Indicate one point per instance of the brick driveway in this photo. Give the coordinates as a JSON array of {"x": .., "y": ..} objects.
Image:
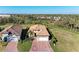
[
  {"x": 11, "y": 47},
  {"x": 37, "y": 46},
  {"x": 41, "y": 46}
]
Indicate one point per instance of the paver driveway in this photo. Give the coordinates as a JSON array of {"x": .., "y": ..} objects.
[
  {"x": 41, "y": 46},
  {"x": 11, "y": 47}
]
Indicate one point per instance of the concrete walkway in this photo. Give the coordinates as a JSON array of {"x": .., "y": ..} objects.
[
  {"x": 41, "y": 46},
  {"x": 11, "y": 47}
]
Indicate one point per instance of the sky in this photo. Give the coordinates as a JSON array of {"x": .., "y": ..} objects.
[{"x": 39, "y": 9}]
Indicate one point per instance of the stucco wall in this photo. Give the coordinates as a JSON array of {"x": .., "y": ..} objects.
[
  {"x": 42, "y": 38},
  {"x": 15, "y": 38}
]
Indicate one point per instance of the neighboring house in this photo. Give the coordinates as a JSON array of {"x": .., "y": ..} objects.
[
  {"x": 39, "y": 32},
  {"x": 14, "y": 29}
]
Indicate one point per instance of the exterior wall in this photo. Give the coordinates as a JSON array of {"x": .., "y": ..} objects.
[
  {"x": 3, "y": 35},
  {"x": 42, "y": 38},
  {"x": 15, "y": 38}
]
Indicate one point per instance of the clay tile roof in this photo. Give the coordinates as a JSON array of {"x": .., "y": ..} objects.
[
  {"x": 39, "y": 30},
  {"x": 15, "y": 29}
]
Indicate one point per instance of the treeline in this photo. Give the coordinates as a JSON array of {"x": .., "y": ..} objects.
[
  {"x": 68, "y": 21},
  {"x": 13, "y": 19},
  {"x": 63, "y": 20}
]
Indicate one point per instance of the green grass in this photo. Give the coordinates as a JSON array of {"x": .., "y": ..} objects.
[
  {"x": 67, "y": 40},
  {"x": 6, "y": 25},
  {"x": 24, "y": 46},
  {"x": 2, "y": 45}
]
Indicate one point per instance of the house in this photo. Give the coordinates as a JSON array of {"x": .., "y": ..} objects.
[
  {"x": 39, "y": 32},
  {"x": 14, "y": 29}
]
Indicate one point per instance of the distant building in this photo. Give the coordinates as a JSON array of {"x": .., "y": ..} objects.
[
  {"x": 57, "y": 18},
  {"x": 44, "y": 17},
  {"x": 39, "y": 32},
  {"x": 2, "y": 16}
]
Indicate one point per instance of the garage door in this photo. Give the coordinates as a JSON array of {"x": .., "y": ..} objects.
[{"x": 41, "y": 38}]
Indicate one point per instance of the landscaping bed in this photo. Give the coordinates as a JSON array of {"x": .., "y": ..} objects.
[{"x": 24, "y": 46}]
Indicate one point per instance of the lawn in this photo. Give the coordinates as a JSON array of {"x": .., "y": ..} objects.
[
  {"x": 24, "y": 46},
  {"x": 67, "y": 40},
  {"x": 2, "y": 45},
  {"x": 6, "y": 25}
]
